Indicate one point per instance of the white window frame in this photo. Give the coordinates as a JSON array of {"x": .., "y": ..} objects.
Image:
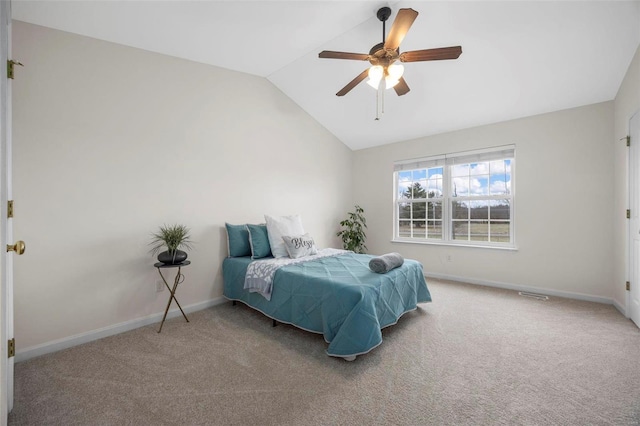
[{"x": 447, "y": 161}]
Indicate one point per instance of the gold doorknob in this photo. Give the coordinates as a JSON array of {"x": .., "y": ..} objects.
[{"x": 18, "y": 247}]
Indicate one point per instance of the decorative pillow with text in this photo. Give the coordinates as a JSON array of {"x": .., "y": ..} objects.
[{"x": 299, "y": 245}]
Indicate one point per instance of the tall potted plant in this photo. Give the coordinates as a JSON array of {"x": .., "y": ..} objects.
[
  {"x": 353, "y": 235},
  {"x": 173, "y": 237}
]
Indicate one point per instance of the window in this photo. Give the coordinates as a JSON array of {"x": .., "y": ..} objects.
[{"x": 464, "y": 198}]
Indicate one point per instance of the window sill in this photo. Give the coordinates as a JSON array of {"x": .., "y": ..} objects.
[{"x": 452, "y": 244}]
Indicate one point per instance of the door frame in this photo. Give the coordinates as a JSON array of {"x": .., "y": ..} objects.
[
  {"x": 6, "y": 269},
  {"x": 632, "y": 186}
]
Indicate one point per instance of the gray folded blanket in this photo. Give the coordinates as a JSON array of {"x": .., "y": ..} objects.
[{"x": 386, "y": 262}]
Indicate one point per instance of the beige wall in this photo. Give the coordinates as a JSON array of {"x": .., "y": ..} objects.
[
  {"x": 110, "y": 142},
  {"x": 627, "y": 103},
  {"x": 563, "y": 215}
]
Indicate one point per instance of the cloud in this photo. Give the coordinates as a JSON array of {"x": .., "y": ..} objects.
[
  {"x": 499, "y": 167},
  {"x": 474, "y": 179},
  {"x": 498, "y": 187}
]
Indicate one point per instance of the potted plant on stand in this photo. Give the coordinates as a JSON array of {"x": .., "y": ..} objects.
[
  {"x": 353, "y": 235},
  {"x": 173, "y": 237}
]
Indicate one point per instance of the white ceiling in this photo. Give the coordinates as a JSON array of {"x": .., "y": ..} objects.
[{"x": 519, "y": 58}]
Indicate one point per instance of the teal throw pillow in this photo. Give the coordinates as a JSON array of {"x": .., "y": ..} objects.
[
  {"x": 238, "y": 240},
  {"x": 259, "y": 241}
]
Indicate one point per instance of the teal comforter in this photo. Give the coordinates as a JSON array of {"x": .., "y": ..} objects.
[{"x": 338, "y": 296}]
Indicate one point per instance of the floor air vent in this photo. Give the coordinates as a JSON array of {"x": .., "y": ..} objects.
[{"x": 533, "y": 295}]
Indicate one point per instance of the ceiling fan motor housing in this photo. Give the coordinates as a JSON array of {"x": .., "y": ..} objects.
[
  {"x": 384, "y": 13},
  {"x": 378, "y": 55}
]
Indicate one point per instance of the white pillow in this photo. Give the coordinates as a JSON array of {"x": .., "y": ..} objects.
[
  {"x": 299, "y": 245},
  {"x": 279, "y": 226}
]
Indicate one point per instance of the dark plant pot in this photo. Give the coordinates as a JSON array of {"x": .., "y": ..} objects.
[{"x": 172, "y": 258}]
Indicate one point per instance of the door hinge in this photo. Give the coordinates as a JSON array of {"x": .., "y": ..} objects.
[
  {"x": 628, "y": 214},
  {"x": 11, "y": 347},
  {"x": 10, "y": 208},
  {"x": 10, "y": 67},
  {"x": 628, "y": 286}
]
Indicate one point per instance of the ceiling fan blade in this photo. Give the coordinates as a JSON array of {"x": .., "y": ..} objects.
[
  {"x": 343, "y": 55},
  {"x": 399, "y": 29},
  {"x": 401, "y": 88},
  {"x": 353, "y": 83},
  {"x": 431, "y": 54}
]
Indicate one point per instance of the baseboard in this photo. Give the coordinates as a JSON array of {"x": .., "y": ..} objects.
[
  {"x": 78, "y": 339},
  {"x": 619, "y": 307},
  {"x": 509, "y": 286}
]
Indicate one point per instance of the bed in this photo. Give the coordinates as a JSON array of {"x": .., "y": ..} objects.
[{"x": 337, "y": 295}]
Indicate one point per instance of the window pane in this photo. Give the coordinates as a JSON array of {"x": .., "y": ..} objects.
[
  {"x": 402, "y": 190},
  {"x": 500, "y": 181},
  {"x": 459, "y": 210},
  {"x": 434, "y": 210},
  {"x": 460, "y": 170},
  {"x": 421, "y": 190},
  {"x": 460, "y": 187},
  {"x": 479, "y": 209},
  {"x": 434, "y": 185},
  {"x": 500, "y": 209},
  {"x": 480, "y": 186},
  {"x": 404, "y": 229},
  {"x": 460, "y": 230},
  {"x": 406, "y": 191},
  {"x": 419, "y": 229},
  {"x": 498, "y": 186},
  {"x": 479, "y": 169},
  {"x": 404, "y": 211},
  {"x": 479, "y": 231},
  {"x": 404, "y": 182},
  {"x": 500, "y": 232},
  {"x": 435, "y": 172},
  {"x": 404, "y": 176},
  {"x": 419, "y": 174},
  {"x": 419, "y": 210},
  {"x": 434, "y": 229},
  {"x": 434, "y": 188},
  {"x": 502, "y": 167},
  {"x": 418, "y": 191}
]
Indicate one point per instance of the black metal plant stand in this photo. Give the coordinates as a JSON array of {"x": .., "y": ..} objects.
[{"x": 178, "y": 279}]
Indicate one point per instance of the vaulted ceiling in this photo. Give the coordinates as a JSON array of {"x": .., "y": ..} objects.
[{"x": 519, "y": 58}]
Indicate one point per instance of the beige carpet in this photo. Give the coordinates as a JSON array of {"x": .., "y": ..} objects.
[{"x": 475, "y": 356}]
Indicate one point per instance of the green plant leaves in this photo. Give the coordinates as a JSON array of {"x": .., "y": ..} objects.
[
  {"x": 353, "y": 236},
  {"x": 173, "y": 237}
]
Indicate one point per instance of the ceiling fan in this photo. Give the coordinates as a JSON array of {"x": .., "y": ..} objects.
[{"x": 385, "y": 72}]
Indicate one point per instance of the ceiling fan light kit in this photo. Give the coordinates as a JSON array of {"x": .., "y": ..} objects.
[
  {"x": 391, "y": 75},
  {"x": 386, "y": 71}
]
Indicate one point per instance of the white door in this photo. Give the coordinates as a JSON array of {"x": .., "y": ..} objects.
[
  {"x": 634, "y": 226},
  {"x": 6, "y": 259}
]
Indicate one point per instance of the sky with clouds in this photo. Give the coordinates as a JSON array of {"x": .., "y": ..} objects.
[{"x": 476, "y": 179}]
